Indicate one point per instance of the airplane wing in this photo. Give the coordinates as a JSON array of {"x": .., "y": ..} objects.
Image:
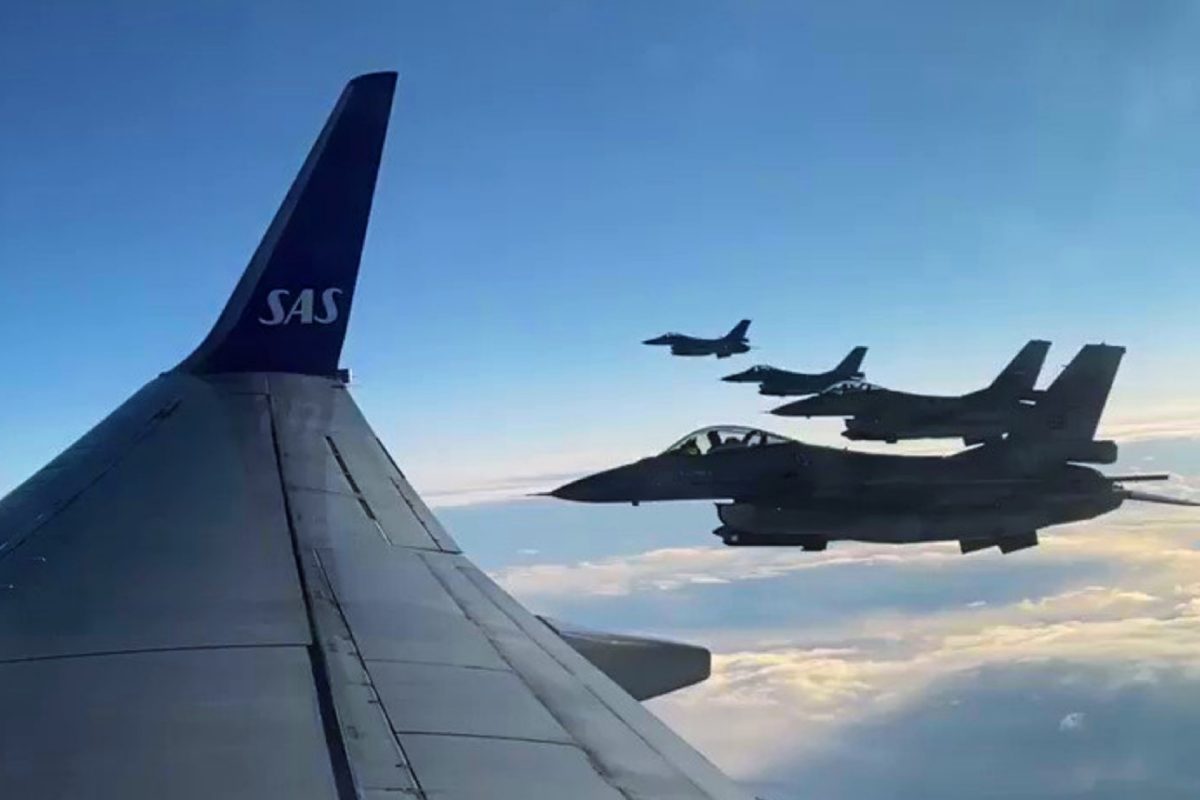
[
  {"x": 1162, "y": 499},
  {"x": 228, "y": 589}
]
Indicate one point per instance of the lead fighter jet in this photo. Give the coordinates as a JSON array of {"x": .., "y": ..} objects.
[
  {"x": 785, "y": 492},
  {"x": 879, "y": 414},
  {"x": 228, "y": 589},
  {"x": 781, "y": 383},
  {"x": 730, "y": 344}
]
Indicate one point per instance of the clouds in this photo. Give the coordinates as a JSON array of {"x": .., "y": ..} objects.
[
  {"x": 869, "y": 659},
  {"x": 669, "y": 569},
  {"x": 1072, "y": 722},
  {"x": 880, "y": 671},
  {"x": 1181, "y": 421},
  {"x": 997, "y": 733},
  {"x": 804, "y": 700},
  {"x": 814, "y": 694}
]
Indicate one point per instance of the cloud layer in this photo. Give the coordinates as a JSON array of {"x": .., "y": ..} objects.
[{"x": 905, "y": 650}]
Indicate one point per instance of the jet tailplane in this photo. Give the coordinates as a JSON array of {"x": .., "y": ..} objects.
[
  {"x": 852, "y": 363},
  {"x": 1019, "y": 377},
  {"x": 738, "y": 333}
]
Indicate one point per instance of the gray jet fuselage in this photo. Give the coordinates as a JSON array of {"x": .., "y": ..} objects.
[
  {"x": 690, "y": 346},
  {"x": 725, "y": 346},
  {"x": 775, "y": 382},
  {"x": 791, "y": 473},
  {"x": 1018, "y": 514},
  {"x": 784, "y": 492},
  {"x": 878, "y": 414}
]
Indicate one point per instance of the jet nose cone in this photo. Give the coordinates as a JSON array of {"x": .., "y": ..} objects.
[
  {"x": 617, "y": 485},
  {"x": 591, "y": 489},
  {"x": 794, "y": 409},
  {"x": 575, "y": 490}
]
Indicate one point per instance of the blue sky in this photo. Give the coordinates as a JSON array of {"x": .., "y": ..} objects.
[
  {"x": 941, "y": 182},
  {"x": 565, "y": 179}
]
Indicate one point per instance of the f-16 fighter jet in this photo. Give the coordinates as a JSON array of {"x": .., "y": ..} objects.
[
  {"x": 785, "y": 492},
  {"x": 880, "y": 414},
  {"x": 781, "y": 383},
  {"x": 730, "y": 344}
]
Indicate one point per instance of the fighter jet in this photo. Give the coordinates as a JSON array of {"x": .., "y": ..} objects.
[
  {"x": 879, "y": 414},
  {"x": 228, "y": 589},
  {"x": 785, "y": 492},
  {"x": 781, "y": 383},
  {"x": 730, "y": 344}
]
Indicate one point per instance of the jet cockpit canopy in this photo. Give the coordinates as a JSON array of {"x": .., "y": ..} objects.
[
  {"x": 724, "y": 437},
  {"x": 851, "y": 387}
]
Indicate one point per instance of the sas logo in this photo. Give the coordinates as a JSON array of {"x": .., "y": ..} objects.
[{"x": 302, "y": 307}]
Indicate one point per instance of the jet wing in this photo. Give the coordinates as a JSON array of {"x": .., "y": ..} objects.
[
  {"x": 1162, "y": 499},
  {"x": 227, "y": 589}
]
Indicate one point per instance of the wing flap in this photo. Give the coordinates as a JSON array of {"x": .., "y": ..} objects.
[
  {"x": 463, "y": 701},
  {"x": 397, "y": 610},
  {"x": 469, "y": 768}
]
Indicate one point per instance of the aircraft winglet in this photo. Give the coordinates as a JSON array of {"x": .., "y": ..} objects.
[{"x": 290, "y": 308}]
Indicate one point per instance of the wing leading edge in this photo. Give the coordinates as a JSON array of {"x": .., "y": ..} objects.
[{"x": 229, "y": 589}]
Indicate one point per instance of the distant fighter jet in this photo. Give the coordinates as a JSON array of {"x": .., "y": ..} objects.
[
  {"x": 880, "y": 414},
  {"x": 731, "y": 343},
  {"x": 781, "y": 383},
  {"x": 786, "y": 492}
]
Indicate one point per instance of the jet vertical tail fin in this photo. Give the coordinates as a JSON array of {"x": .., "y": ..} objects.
[
  {"x": 852, "y": 363},
  {"x": 290, "y": 308},
  {"x": 1071, "y": 406},
  {"x": 1022, "y": 372},
  {"x": 739, "y": 331}
]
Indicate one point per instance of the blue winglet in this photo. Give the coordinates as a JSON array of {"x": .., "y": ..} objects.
[{"x": 290, "y": 308}]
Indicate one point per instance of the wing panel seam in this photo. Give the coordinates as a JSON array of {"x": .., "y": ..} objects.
[
  {"x": 591, "y": 759},
  {"x": 339, "y": 758},
  {"x": 387, "y": 719},
  {"x": 470, "y": 575},
  {"x": 134, "y": 651},
  {"x": 358, "y": 494}
]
